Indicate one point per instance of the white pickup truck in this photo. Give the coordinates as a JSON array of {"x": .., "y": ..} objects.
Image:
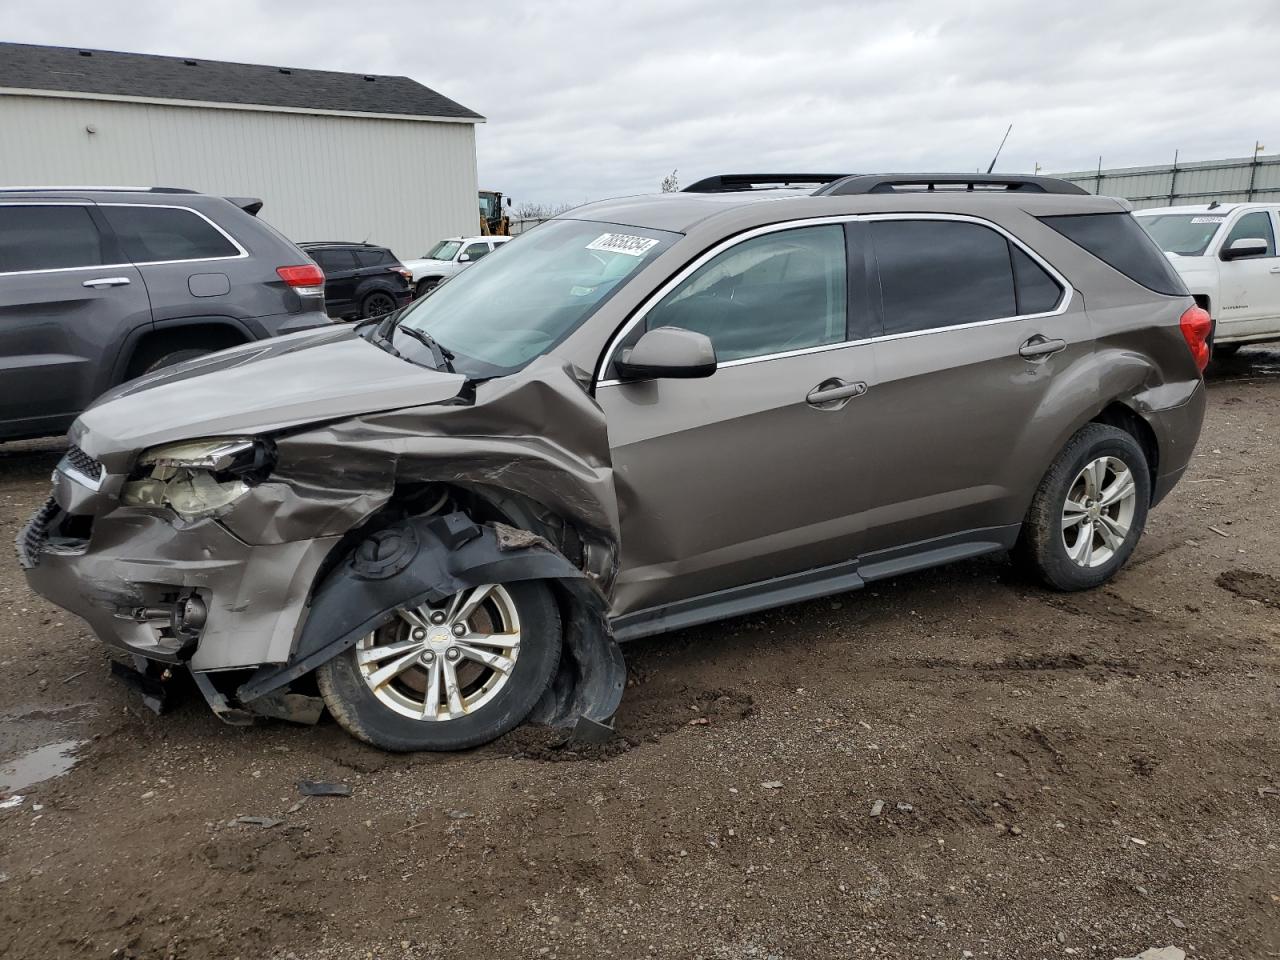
[
  {"x": 1226, "y": 255},
  {"x": 448, "y": 257}
]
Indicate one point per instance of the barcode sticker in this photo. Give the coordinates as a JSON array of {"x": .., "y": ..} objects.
[
  {"x": 1208, "y": 219},
  {"x": 622, "y": 243}
]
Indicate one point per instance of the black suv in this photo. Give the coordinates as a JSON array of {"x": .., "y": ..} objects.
[
  {"x": 360, "y": 279},
  {"x": 100, "y": 285}
]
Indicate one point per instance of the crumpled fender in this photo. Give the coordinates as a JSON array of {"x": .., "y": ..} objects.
[{"x": 427, "y": 559}]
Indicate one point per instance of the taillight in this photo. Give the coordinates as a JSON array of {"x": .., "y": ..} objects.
[
  {"x": 305, "y": 279},
  {"x": 1196, "y": 326}
]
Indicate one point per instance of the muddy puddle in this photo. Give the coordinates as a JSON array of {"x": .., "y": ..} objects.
[{"x": 38, "y": 744}]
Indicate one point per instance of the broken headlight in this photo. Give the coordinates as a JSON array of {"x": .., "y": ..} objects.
[{"x": 196, "y": 478}]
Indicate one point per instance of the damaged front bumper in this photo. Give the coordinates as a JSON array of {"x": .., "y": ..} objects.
[{"x": 197, "y": 595}]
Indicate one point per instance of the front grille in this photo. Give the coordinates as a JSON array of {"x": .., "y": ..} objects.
[
  {"x": 35, "y": 534},
  {"x": 82, "y": 463}
]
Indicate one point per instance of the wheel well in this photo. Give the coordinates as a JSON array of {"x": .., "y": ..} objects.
[
  {"x": 481, "y": 504},
  {"x": 153, "y": 346},
  {"x": 1202, "y": 301},
  {"x": 1116, "y": 414}
]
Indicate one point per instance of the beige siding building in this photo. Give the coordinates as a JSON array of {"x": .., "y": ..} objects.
[{"x": 333, "y": 156}]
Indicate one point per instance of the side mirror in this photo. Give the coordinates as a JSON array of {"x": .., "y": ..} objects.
[
  {"x": 464, "y": 258},
  {"x": 1245, "y": 247},
  {"x": 668, "y": 353}
]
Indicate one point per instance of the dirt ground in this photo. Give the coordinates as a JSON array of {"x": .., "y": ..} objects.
[{"x": 1083, "y": 775}]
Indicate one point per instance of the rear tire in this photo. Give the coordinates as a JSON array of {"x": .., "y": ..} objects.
[
  {"x": 377, "y": 304},
  {"x": 1088, "y": 512},
  {"x": 392, "y": 713}
]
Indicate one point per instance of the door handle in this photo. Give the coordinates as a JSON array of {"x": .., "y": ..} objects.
[
  {"x": 106, "y": 282},
  {"x": 1039, "y": 346},
  {"x": 834, "y": 393},
  {"x": 1275, "y": 269}
]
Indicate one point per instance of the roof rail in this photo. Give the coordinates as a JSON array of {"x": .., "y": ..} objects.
[
  {"x": 96, "y": 189},
  {"x": 970, "y": 182},
  {"x": 337, "y": 243},
  {"x": 732, "y": 182}
]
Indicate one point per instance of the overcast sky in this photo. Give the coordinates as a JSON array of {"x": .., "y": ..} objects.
[{"x": 594, "y": 99}]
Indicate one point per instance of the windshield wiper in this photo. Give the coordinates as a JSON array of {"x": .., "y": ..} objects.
[{"x": 443, "y": 357}]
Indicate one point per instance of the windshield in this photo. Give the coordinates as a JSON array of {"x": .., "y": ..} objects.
[
  {"x": 503, "y": 312},
  {"x": 444, "y": 250},
  {"x": 1186, "y": 234}
]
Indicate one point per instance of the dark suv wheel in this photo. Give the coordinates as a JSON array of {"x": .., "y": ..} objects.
[
  {"x": 451, "y": 675},
  {"x": 377, "y": 304},
  {"x": 1089, "y": 510}
]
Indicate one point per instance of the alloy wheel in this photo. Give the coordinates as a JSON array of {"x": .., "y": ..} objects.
[
  {"x": 378, "y": 304},
  {"x": 1098, "y": 513},
  {"x": 446, "y": 661}
]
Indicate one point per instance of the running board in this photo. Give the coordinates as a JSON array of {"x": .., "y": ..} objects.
[
  {"x": 811, "y": 584},
  {"x": 736, "y": 601}
]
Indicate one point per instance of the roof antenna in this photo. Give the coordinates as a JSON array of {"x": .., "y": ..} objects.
[{"x": 998, "y": 149}]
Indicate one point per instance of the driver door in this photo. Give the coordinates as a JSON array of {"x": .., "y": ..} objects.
[
  {"x": 1250, "y": 286},
  {"x": 745, "y": 475}
]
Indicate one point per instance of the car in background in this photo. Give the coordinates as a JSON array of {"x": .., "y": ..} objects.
[
  {"x": 449, "y": 257},
  {"x": 360, "y": 279},
  {"x": 101, "y": 284},
  {"x": 1226, "y": 255}
]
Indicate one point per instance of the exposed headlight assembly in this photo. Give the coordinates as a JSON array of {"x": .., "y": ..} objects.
[{"x": 196, "y": 478}]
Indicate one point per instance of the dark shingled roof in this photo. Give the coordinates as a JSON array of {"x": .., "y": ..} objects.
[{"x": 78, "y": 70}]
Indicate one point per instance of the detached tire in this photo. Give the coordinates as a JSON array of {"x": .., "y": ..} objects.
[
  {"x": 451, "y": 676},
  {"x": 1088, "y": 512}
]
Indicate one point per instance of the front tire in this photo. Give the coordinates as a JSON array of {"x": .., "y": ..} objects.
[
  {"x": 1088, "y": 512},
  {"x": 426, "y": 286},
  {"x": 448, "y": 676}
]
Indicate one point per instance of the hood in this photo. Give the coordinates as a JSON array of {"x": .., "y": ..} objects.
[{"x": 308, "y": 377}]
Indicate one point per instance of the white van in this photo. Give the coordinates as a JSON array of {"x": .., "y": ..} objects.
[{"x": 1226, "y": 255}]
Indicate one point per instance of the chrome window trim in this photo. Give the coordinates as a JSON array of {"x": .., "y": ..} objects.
[
  {"x": 242, "y": 253},
  {"x": 1064, "y": 301}
]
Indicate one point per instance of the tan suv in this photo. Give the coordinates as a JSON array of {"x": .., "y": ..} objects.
[{"x": 645, "y": 414}]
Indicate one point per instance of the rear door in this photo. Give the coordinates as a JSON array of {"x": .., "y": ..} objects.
[
  {"x": 340, "y": 280},
  {"x": 184, "y": 257},
  {"x": 67, "y": 303},
  {"x": 741, "y": 477},
  {"x": 977, "y": 331},
  {"x": 1249, "y": 287}
]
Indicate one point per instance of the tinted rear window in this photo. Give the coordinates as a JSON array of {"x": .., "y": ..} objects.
[
  {"x": 940, "y": 273},
  {"x": 47, "y": 238},
  {"x": 158, "y": 234},
  {"x": 333, "y": 261},
  {"x": 374, "y": 258},
  {"x": 1118, "y": 241},
  {"x": 1037, "y": 291}
]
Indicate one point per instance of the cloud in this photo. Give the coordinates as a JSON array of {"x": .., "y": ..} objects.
[{"x": 588, "y": 100}]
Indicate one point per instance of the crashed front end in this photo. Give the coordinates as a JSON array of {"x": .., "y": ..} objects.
[{"x": 221, "y": 545}]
